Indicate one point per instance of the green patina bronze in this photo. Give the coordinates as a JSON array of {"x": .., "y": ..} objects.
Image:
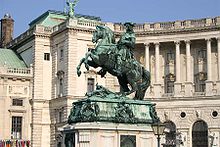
[
  {"x": 71, "y": 5},
  {"x": 118, "y": 60},
  {"x": 107, "y": 106}
]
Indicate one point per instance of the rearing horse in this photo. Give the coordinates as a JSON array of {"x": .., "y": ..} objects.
[{"x": 105, "y": 56}]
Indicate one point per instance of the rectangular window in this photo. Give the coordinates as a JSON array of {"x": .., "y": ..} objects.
[
  {"x": 61, "y": 87},
  {"x": 17, "y": 102},
  {"x": 60, "y": 116},
  {"x": 90, "y": 85},
  {"x": 202, "y": 55},
  {"x": 47, "y": 56},
  {"x": 170, "y": 57},
  {"x": 170, "y": 87},
  {"x": 16, "y": 127},
  {"x": 61, "y": 54},
  {"x": 200, "y": 79}
]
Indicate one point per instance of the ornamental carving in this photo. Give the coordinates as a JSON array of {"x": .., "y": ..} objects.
[
  {"x": 84, "y": 111},
  {"x": 17, "y": 90},
  {"x": 123, "y": 113},
  {"x": 153, "y": 114},
  {"x": 202, "y": 76},
  {"x": 201, "y": 60},
  {"x": 60, "y": 74},
  {"x": 170, "y": 77}
]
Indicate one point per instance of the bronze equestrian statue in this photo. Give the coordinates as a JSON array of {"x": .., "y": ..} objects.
[{"x": 118, "y": 60}]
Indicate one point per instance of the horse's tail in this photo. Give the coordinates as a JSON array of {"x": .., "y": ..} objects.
[{"x": 146, "y": 80}]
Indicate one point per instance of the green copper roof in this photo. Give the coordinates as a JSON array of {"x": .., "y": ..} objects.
[
  {"x": 10, "y": 59},
  {"x": 52, "y": 18}
]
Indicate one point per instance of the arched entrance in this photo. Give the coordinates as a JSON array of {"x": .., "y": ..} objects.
[
  {"x": 170, "y": 136},
  {"x": 200, "y": 134}
]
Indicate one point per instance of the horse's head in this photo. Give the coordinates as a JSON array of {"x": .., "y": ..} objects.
[
  {"x": 98, "y": 34},
  {"x": 103, "y": 32}
]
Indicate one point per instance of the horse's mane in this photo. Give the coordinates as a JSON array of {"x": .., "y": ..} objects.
[{"x": 109, "y": 34}]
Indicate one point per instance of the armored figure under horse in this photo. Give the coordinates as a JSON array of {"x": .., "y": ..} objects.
[{"x": 107, "y": 56}]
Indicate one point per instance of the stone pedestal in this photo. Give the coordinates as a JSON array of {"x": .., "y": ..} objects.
[
  {"x": 218, "y": 87},
  {"x": 189, "y": 89},
  {"x": 177, "y": 89},
  {"x": 208, "y": 88},
  {"x": 107, "y": 119},
  {"x": 102, "y": 134},
  {"x": 157, "y": 90}
]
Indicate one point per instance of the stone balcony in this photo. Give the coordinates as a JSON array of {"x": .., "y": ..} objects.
[
  {"x": 16, "y": 72},
  {"x": 174, "y": 25}
]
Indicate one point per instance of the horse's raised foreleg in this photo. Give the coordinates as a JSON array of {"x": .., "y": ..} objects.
[
  {"x": 85, "y": 61},
  {"x": 79, "y": 66}
]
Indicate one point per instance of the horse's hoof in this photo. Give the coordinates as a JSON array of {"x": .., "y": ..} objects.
[{"x": 79, "y": 73}]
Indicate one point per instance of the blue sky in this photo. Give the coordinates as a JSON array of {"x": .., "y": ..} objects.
[{"x": 24, "y": 11}]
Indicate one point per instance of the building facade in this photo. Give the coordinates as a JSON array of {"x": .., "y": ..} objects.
[{"x": 182, "y": 56}]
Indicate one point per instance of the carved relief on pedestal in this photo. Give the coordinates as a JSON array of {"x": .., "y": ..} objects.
[{"x": 18, "y": 90}]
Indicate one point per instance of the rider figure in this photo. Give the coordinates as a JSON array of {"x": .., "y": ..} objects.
[{"x": 125, "y": 46}]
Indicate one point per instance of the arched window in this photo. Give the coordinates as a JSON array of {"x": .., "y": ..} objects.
[
  {"x": 170, "y": 135},
  {"x": 200, "y": 134}
]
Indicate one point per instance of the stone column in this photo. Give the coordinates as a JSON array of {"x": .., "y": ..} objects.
[
  {"x": 209, "y": 82},
  {"x": 157, "y": 85},
  {"x": 147, "y": 65},
  {"x": 209, "y": 58},
  {"x": 218, "y": 46},
  {"x": 177, "y": 61},
  {"x": 177, "y": 84},
  {"x": 188, "y": 83},
  {"x": 218, "y": 56},
  {"x": 157, "y": 62}
]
